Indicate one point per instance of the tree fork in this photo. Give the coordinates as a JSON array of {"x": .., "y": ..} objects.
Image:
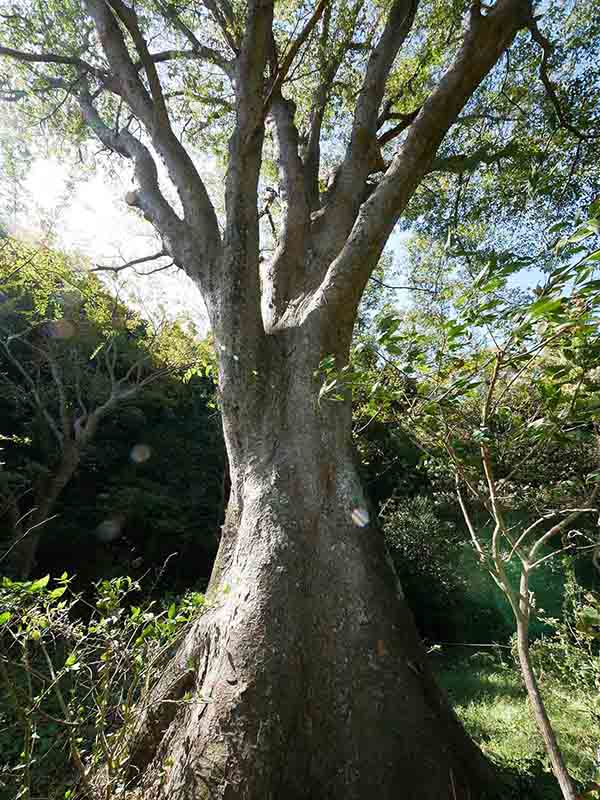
[{"x": 306, "y": 677}]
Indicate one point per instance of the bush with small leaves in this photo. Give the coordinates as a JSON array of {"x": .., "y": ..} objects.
[{"x": 75, "y": 674}]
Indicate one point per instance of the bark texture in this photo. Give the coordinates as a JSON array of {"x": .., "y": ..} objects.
[{"x": 306, "y": 674}]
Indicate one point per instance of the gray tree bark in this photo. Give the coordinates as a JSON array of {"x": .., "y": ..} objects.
[{"x": 307, "y": 677}]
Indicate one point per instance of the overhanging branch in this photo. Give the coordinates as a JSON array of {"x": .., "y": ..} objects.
[{"x": 136, "y": 262}]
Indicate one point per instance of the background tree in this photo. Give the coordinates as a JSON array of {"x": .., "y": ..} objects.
[
  {"x": 307, "y": 669},
  {"x": 491, "y": 393},
  {"x": 70, "y": 356}
]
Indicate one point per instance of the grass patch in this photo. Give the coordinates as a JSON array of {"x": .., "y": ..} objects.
[{"x": 488, "y": 696}]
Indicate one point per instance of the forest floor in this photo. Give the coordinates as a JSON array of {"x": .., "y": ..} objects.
[{"x": 486, "y": 690}]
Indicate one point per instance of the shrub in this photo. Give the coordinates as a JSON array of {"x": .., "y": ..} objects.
[
  {"x": 74, "y": 674},
  {"x": 426, "y": 551}
]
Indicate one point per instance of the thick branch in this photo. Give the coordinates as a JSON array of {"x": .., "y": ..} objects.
[
  {"x": 130, "y": 86},
  {"x": 486, "y": 38},
  {"x": 296, "y": 215},
  {"x": 129, "y": 20},
  {"x": 148, "y": 197},
  {"x": 282, "y": 274},
  {"x": 363, "y": 154},
  {"x": 240, "y": 287},
  {"x": 398, "y": 25},
  {"x": 151, "y": 110}
]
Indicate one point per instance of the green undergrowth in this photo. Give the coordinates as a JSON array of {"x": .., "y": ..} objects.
[{"x": 488, "y": 696}]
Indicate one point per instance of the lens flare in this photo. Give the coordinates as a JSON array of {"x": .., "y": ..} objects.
[
  {"x": 109, "y": 529},
  {"x": 140, "y": 453},
  {"x": 360, "y": 517}
]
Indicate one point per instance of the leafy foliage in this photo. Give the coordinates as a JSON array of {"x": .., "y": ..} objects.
[
  {"x": 68, "y": 348},
  {"x": 75, "y": 673}
]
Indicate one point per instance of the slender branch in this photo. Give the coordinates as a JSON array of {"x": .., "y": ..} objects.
[
  {"x": 224, "y": 16},
  {"x": 329, "y": 65},
  {"x": 407, "y": 288},
  {"x": 560, "y": 526},
  {"x": 128, "y": 264},
  {"x": 54, "y": 58},
  {"x": 405, "y": 121},
  {"x": 34, "y": 392},
  {"x": 539, "y": 38},
  {"x": 469, "y": 523},
  {"x": 284, "y": 68},
  {"x": 469, "y": 163}
]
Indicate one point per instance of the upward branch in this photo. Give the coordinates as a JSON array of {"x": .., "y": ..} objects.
[
  {"x": 239, "y": 281},
  {"x": 486, "y": 38},
  {"x": 199, "y": 213},
  {"x": 363, "y": 154}
]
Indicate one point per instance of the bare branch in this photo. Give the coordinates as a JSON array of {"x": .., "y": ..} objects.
[
  {"x": 241, "y": 188},
  {"x": 148, "y": 197},
  {"x": 54, "y": 58},
  {"x": 284, "y": 68},
  {"x": 563, "y": 524},
  {"x": 295, "y": 237},
  {"x": 130, "y": 21},
  {"x": 135, "y": 262},
  {"x": 396, "y": 130},
  {"x": 199, "y": 52},
  {"x": 407, "y": 288},
  {"x": 546, "y": 47}
]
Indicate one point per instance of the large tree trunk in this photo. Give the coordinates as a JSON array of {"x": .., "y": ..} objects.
[{"x": 308, "y": 679}]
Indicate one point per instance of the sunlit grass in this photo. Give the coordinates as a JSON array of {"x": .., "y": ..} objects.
[{"x": 488, "y": 696}]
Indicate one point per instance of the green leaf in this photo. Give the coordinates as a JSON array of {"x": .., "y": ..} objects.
[
  {"x": 96, "y": 351},
  {"x": 545, "y": 306},
  {"x": 38, "y": 585},
  {"x": 4, "y": 617},
  {"x": 595, "y": 256},
  {"x": 172, "y": 611},
  {"x": 71, "y": 659}
]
